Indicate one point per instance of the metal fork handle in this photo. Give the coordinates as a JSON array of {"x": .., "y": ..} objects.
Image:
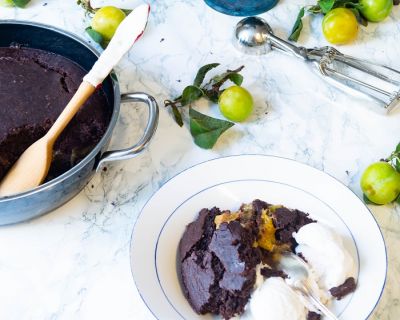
[{"x": 317, "y": 303}]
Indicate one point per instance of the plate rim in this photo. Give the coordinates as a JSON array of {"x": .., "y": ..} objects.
[{"x": 251, "y": 155}]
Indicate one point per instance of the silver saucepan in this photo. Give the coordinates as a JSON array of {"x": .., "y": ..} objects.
[{"x": 52, "y": 194}]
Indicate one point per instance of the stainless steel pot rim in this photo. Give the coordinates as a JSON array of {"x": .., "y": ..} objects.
[{"x": 108, "y": 133}]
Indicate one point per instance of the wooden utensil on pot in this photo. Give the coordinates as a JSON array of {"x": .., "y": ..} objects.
[{"x": 32, "y": 167}]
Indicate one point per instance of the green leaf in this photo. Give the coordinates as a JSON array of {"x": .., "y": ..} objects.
[
  {"x": 97, "y": 37},
  {"x": 236, "y": 78},
  {"x": 298, "y": 26},
  {"x": 21, "y": 3},
  {"x": 326, "y": 5},
  {"x": 397, "y": 200},
  {"x": 206, "y": 130},
  {"x": 232, "y": 75},
  {"x": 347, "y": 4},
  {"x": 190, "y": 94},
  {"x": 397, "y": 148},
  {"x": 126, "y": 11},
  {"x": 177, "y": 115},
  {"x": 201, "y": 74},
  {"x": 396, "y": 164},
  {"x": 360, "y": 18}
]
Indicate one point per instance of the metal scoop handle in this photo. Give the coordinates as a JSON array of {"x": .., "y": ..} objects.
[{"x": 287, "y": 47}]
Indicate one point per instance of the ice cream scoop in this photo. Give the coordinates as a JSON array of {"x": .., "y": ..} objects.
[
  {"x": 326, "y": 254},
  {"x": 358, "y": 77},
  {"x": 274, "y": 299}
]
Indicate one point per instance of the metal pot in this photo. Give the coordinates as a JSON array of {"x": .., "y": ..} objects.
[{"x": 47, "y": 197}]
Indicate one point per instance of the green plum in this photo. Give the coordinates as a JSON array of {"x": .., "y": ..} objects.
[
  {"x": 380, "y": 183},
  {"x": 106, "y": 21},
  {"x": 236, "y": 103},
  {"x": 376, "y": 10},
  {"x": 6, "y": 3},
  {"x": 340, "y": 26}
]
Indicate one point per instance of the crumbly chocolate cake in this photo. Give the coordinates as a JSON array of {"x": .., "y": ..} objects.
[
  {"x": 267, "y": 272},
  {"x": 313, "y": 316},
  {"x": 344, "y": 289},
  {"x": 219, "y": 252},
  {"x": 35, "y": 86},
  {"x": 217, "y": 265}
]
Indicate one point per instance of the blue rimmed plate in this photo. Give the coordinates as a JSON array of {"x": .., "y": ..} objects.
[{"x": 229, "y": 182}]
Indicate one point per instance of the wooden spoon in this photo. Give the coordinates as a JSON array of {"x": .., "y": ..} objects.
[{"x": 32, "y": 167}]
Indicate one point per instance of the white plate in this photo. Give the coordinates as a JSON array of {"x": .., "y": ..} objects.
[{"x": 227, "y": 183}]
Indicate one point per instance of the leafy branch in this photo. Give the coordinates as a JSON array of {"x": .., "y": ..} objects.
[
  {"x": 85, "y": 4},
  {"x": 394, "y": 161},
  {"x": 394, "y": 158},
  {"x": 211, "y": 90},
  {"x": 204, "y": 129},
  {"x": 323, "y": 7}
]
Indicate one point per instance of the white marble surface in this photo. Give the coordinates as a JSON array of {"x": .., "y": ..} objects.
[{"x": 74, "y": 262}]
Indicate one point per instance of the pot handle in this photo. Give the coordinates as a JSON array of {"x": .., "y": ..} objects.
[{"x": 148, "y": 134}]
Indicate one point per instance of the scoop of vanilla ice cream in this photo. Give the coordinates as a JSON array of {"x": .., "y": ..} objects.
[
  {"x": 330, "y": 262},
  {"x": 274, "y": 299}
]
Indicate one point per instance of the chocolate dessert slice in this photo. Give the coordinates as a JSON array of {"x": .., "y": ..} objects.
[
  {"x": 219, "y": 252},
  {"x": 35, "y": 86},
  {"x": 217, "y": 265}
]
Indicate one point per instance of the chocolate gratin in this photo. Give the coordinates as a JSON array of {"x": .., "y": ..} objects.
[{"x": 35, "y": 86}]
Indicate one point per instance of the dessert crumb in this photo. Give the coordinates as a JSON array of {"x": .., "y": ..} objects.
[
  {"x": 313, "y": 316},
  {"x": 344, "y": 289}
]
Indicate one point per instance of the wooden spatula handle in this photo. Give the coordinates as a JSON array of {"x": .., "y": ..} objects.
[{"x": 84, "y": 91}]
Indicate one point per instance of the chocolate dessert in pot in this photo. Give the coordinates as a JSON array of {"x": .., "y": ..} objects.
[{"x": 35, "y": 86}]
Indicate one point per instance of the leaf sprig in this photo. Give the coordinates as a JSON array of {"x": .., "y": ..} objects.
[
  {"x": 85, "y": 4},
  {"x": 323, "y": 7},
  {"x": 96, "y": 37},
  {"x": 211, "y": 90},
  {"x": 204, "y": 129},
  {"x": 394, "y": 158}
]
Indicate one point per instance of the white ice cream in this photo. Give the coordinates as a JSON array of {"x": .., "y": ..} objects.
[
  {"x": 330, "y": 262},
  {"x": 274, "y": 299}
]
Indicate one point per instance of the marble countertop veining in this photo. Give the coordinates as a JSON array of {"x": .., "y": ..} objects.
[{"x": 74, "y": 262}]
